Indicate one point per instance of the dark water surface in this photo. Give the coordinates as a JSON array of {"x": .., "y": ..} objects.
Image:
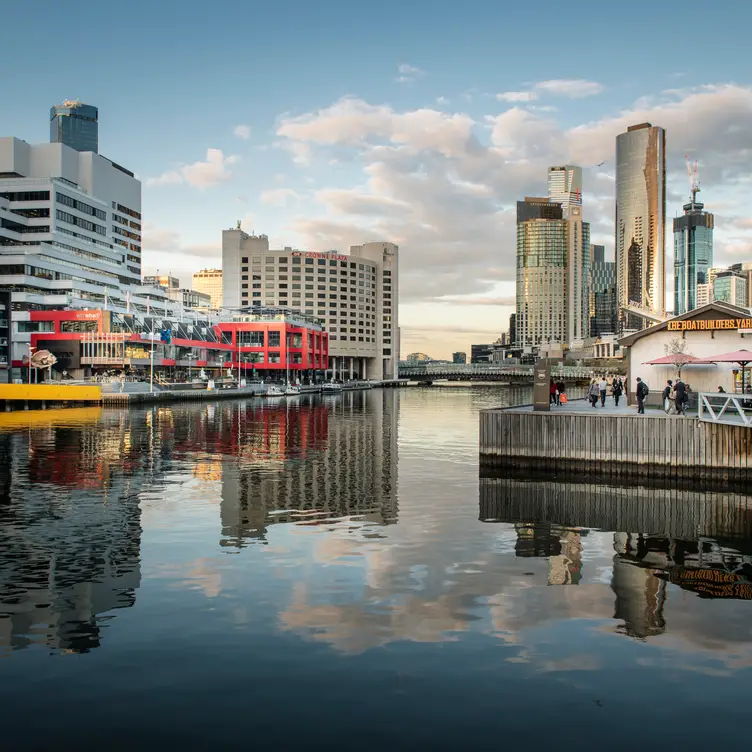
[{"x": 334, "y": 572}]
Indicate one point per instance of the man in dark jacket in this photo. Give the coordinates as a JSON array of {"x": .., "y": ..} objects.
[
  {"x": 642, "y": 392},
  {"x": 680, "y": 396}
]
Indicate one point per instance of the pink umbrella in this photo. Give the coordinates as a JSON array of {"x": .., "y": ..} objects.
[
  {"x": 679, "y": 358},
  {"x": 742, "y": 357}
]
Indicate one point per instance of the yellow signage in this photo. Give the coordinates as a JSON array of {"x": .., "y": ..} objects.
[{"x": 706, "y": 325}]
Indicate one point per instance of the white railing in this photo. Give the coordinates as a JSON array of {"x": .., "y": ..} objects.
[{"x": 720, "y": 407}]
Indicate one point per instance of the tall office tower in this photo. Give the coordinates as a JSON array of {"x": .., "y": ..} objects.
[
  {"x": 565, "y": 187},
  {"x": 355, "y": 295},
  {"x": 640, "y": 242},
  {"x": 75, "y": 124},
  {"x": 693, "y": 253},
  {"x": 542, "y": 255},
  {"x": 209, "y": 281},
  {"x": 602, "y": 306},
  {"x": 512, "y": 339}
]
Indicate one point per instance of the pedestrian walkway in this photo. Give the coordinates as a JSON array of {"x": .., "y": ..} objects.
[{"x": 578, "y": 406}]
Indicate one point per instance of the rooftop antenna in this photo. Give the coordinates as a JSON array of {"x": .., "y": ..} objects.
[{"x": 694, "y": 182}]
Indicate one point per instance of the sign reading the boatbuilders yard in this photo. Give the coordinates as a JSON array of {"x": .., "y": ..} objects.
[{"x": 706, "y": 325}]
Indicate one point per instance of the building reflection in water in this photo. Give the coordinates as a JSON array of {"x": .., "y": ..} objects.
[
  {"x": 699, "y": 541},
  {"x": 311, "y": 462},
  {"x": 70, "y": 529}
]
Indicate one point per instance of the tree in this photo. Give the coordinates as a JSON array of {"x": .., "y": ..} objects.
[{"x": 675, "y": 351}]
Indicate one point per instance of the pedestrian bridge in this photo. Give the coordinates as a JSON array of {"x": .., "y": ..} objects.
[{"x": 486, "y": 372}]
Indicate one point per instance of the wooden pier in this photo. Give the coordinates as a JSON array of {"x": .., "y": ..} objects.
[{"x": 643, "y": 446}]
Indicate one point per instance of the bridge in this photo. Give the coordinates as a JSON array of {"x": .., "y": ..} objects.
[{"x": 488, "y": 372}]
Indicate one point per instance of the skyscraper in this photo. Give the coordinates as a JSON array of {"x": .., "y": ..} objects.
[
  {"x": 693, "y": 254},
  {"x": 75, "y": 124},
  {"x": 542, "y": 250},
  {"x": 565, "y": 188},
  {"x": 640, "y": 241},
  {"x": 603, "y": 317}
]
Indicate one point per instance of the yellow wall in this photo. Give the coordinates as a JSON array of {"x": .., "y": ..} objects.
[{"x": 51, "y": 392}]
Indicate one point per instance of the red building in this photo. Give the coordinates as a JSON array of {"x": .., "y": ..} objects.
[{"x": 269, "y": 343}]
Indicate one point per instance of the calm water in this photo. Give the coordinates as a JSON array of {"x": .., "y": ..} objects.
[{"x": 334, "y": 571}]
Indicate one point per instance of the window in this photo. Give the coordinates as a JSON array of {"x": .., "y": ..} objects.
[
  {"x": 274, "y": 339},
  {"x": 244, "y": 260},
  {"x": 244, "y": 277},
  {"x": 257, "y": 285},
  {"x": 251, "y": 339}
]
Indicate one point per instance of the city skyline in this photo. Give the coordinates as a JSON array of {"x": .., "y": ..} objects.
[{"x": 412, "y": 149}]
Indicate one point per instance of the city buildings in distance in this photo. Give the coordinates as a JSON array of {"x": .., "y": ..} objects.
[
  {"x": 602, "y": 292},
  {"x": 184, "y": 296},
  {"x": 209, "y": 281},
  {"x": 355, "y": 295},
  {"x": 459, "y": 358},
  {"x": 639, "y": 227},
  {"x": 76, "y": 125}
]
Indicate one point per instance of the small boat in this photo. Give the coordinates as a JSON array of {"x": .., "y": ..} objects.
[
  {"x": 331, "y": 387},
  {"x": 274, "y": 391},
  {"x": 292, "y": 390}
]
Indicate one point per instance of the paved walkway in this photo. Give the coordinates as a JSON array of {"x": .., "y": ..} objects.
[{"x": 583, "y": 406}]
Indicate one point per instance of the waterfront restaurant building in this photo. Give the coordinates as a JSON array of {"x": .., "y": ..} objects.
[
  {"x": 714, "y": 329},
  {"x": 269, "y": 343}
]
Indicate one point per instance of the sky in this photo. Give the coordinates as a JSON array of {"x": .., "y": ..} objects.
[{"x": 329, "y": 124}]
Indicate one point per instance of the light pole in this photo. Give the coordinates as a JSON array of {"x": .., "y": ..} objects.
[{"x": 151, "y": 367}]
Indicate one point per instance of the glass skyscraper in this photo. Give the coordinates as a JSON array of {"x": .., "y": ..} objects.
[
  {"x": 693, "y": 254},
  {"x": 640, "y": 241},
  {"x": 76, "y": 125},
  {"x": 602, "y": 307}
]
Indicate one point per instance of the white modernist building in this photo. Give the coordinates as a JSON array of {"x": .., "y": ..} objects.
[
  {"x": 70, "y": 234},
  {"x": 354, "y": 295}
]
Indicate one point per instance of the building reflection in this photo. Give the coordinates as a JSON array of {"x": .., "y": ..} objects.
[
  {"x": 70, "y": 530},
  {"x": 699, "y": 541},
  {"x": 349, "y": 445}
]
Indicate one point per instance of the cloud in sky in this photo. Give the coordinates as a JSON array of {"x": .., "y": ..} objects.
[
  {"x": 242, "y": 131},
  {"x": 278, "y": 196},
  {"x": 408, "y": 73},
  {"x": 215, "y": 169},
  {"x": 574, "y": 88},
  {"x": 517, "y": 96},
  {"x": 444, "y": 185}
]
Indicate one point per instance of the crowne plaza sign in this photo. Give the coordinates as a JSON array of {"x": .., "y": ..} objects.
[{"x": 708, "y": 325}]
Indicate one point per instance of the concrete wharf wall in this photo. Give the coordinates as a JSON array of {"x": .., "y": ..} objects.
[{"x": 615, "y": 445}]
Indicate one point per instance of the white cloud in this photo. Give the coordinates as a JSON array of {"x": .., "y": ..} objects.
[
  {"x": 574, "y": 88},
  {"x": 408, "y": 73},
  {"x": 442, "y": 100},
  {"x": 517, "y": 96},
  {"x": 202, "y": 174},
  {"x": 447, "y": 196},
  {"x": 278, "y": 196},
  {"x": 242, "y": 131}
]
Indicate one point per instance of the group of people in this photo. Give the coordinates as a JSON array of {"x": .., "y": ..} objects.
[
  {"x": 676, "y": 397},
  {"x": 557, "y": 393},
  {"x": 599, "y": 389}
]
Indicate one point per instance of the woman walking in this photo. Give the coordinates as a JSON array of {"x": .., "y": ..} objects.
[
  {"x": 617, "y": 390},
  {"x": 594, "y": 393}
]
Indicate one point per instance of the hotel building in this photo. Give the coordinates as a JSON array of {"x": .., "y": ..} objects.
[{"x": 354, "y": 295}]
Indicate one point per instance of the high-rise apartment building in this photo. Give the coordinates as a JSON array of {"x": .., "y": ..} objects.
[
  {"x": 745, "y": 269},
  {"x": 640, "y": 243},
  {"x": 542, "y": 254},
  {"x": 512, "y": 337},
  {"x": 76, "y": 125},
  {"x": 209, "y": 281},
  {"x": 730, "y": 287},
  {"x": 355, "y": 295},
  {"x": 693, "y": 254},
  {"x": 603, "y": 317}
]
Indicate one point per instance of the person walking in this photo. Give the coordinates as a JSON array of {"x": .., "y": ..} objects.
[
  {"x": 560, "y": 389},
  {"x": 603, "y": 388},
  {"x": 593, "y": 393},
  {"x": 642, "y": 392},
  {"x": 552, "y": 394},
  {"x": 668, "y": 402},
  {"x": 616, "y": 389},
  {"x": 680, "y": 396}
]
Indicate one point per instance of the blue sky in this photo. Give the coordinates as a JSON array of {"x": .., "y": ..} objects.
[{"x": 416, "y": 122}]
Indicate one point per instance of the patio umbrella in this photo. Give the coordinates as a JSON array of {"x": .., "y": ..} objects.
[
  {"x": 742, "y": 357},
  {"x": 679, "y": 360}
]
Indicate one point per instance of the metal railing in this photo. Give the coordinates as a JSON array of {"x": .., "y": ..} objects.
[
  {"x": 720, "y": 407},
  {"x": 490, "y": 369}
]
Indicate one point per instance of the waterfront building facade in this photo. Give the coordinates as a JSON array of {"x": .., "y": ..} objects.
[
  {"x": 481, "y": 353},
  {"x": 640, "y": 224},
  {"x": 76, "y": 125},
  {"x": 209, "y": 281},
  {"x": 693, "y": 254},
  {"x": 355, "y": 295},
  {"x": 269, "y": 343},
  {"x": 188, "y": 298}
]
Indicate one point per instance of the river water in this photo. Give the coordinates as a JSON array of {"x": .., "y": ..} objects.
[{"x": 334, "y": 571}]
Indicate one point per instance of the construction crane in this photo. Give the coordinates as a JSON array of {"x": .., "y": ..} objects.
[{"x": 694, "y": 182}]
